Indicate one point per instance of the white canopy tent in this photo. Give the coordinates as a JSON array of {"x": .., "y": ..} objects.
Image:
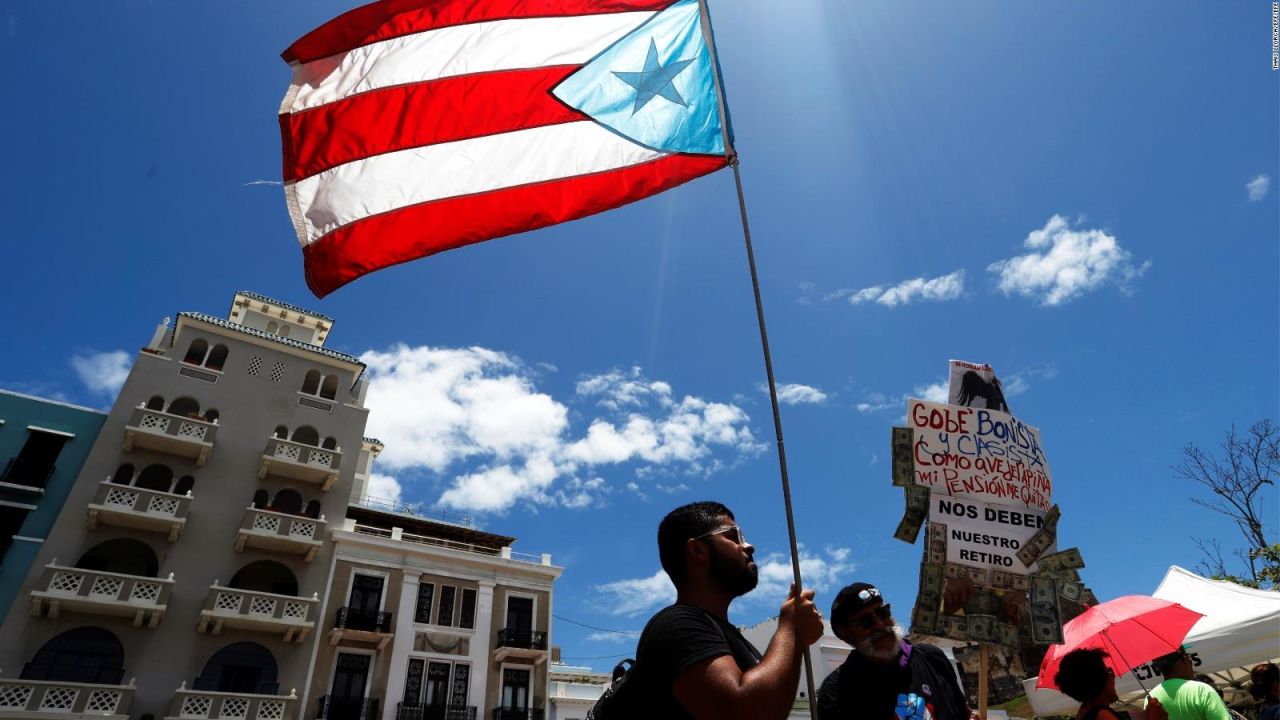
[{"x": 1240, "y": 628}]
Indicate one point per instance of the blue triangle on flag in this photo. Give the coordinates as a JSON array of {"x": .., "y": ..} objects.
[{"x": 654, "y": 86}]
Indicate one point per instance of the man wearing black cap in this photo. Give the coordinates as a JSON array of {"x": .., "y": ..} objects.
[
  {"x": 884, "y": 672},
  {"x": 1183, "y": 697}
]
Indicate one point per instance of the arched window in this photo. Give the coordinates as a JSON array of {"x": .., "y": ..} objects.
[
  {"x": 124, "y": 475},
  {"x": 217, "y": 357},
  {"x": 211, "y": 414},
  {"x": 184, "y": 407},
  {"x": 260, "y": 499},
  {"x": 330, "y": 387},
  {"x": 155, "y": 477},
  {"x": 272, "y": 327},
  {"x": 313, "y": 510},
  {"x": 284, "y": 331},
  {"x": 185, "y": 484},
  {"x": 242, "y": 667},
  {"x": 82, "y": 655},
  {"x": 266, "y": 576},
  {"x": 282, "y": 432},
  {"x": 122, "y": 555},
  {"x": 155, "y": 403},
  {"x": 330, "y": 443},
  {"x": 196, "y": 352},
  {"x": 311, "y": 383},
  {"x": 287, "y": 501},
  {"x": 306, "y": 435}
]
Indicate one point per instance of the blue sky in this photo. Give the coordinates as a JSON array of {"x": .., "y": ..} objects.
[{"x": 913, "y": 170}]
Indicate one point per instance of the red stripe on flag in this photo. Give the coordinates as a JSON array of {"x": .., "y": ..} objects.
[
  {"x": 395, "y": 18},
  {"x": 426, "y": 229},
  {"x": 428, "y": 113}
]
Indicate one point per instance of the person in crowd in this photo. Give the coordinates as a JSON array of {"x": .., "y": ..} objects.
[
  {"x": 885, "y": 676},
  {"x": 694, "y": 664},
  {"x": 1209, "y": 681},
  {"x": 1265, "y": 686},
  {"x": 1183, "y": 697},
  {"x": 1085, "y": 676}
]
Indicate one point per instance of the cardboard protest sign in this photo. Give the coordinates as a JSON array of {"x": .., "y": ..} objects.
[
  {"x": 974, "y": 385},
  {"x": 979, "y": 454},
  {"x": 982, "y": 535}
]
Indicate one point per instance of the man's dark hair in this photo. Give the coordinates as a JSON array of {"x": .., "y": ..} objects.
[
  {"x": 1083, "y": 674},
  {"x": 681, "y": 525},
  {"x": 1165, "y": 663},
  {"x": 1266, "y": 673}
]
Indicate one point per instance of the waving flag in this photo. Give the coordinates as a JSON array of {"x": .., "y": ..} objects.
[{"x": 416, "y": 127}]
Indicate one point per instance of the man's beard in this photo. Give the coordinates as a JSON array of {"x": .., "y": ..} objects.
[
  {"x": 735, "y": 580},
  {"x": 868, "y": 646}
]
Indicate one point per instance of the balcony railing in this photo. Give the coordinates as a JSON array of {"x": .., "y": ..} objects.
[
  {"x": 195, "y": 704},
  {"x": 334, "y": 707},
  {"x": 280, "y": 532},
  {"x": 414, "y": 711},
  {"x": 255, "y": 610},
  {"x": 186, "y": 437},
  {"x": 27, "y": 475},
  {"x": 139, "y": 508},
  {"x": 374, "y": 621},
  {"x": 97, "y": 592},
  {"x": 298, "y": 461},
  {"x": 57, "y": 699},
  {"x": 509, "y": 713},
  {"x": 521, "y": 638}
]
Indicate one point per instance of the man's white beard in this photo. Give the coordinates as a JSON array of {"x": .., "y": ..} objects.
[{"x": 867, "y": 647}]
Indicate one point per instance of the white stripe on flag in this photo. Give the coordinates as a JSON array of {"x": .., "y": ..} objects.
[
  {"x": 459, "y": 50},
  {"x": 382, "y": 183}
]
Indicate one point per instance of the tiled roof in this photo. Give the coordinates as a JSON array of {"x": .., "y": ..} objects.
[
  {"x": 274, "y": 338},
  {"x": 285, "y": 305},
  {"x": 374, "y": 441}
]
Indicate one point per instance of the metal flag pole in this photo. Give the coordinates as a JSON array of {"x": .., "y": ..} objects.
[{"x": 705, "y": 19}]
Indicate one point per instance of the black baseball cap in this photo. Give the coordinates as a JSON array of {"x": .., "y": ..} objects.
[{"x": 851, "y": 600}]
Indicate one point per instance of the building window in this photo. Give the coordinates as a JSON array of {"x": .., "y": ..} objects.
[
  {"x": 311, "y": 383},
  {"x": 266, "y": 576},
  {"x": 123, "y": 556},
  {"x": 155, "y": 477},
  {"x": 34, "y": 463},
  {"x": 515, "y": 689},
  {"x": 422, "y": 611},
  {"x": 330, "y": 387},
  {"x": 217, "y": 358},
  {"x": 467, "y": 614},
  {"x": 11, "y": 519},
  {"x": 242, "y": 667},
  {"x": 196, "y": 352},
  {"x": 444, "y": 615},
  {"x": 83, "y": 655}
]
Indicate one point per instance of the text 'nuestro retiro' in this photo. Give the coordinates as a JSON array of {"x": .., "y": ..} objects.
[{"x": 981, "y": 454}]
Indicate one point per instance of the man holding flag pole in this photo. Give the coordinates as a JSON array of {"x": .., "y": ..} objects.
[{"x": 417, "y": 126}]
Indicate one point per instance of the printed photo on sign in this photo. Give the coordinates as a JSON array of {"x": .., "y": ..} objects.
[
  {"x": 979, "y": 454},
  {"x": 975, "y": 385}
]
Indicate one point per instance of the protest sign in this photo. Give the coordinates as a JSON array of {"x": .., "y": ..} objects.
[
  {"x": 982, "y": 535},
  {"x": 974, "y": 385},
  {"x": 980, "y": 454}
]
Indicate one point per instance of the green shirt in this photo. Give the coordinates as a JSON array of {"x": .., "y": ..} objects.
[{"x": 1190, "y": 700}]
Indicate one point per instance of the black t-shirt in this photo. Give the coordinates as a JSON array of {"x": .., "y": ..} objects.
[
  {"x": 862, "y": 689},
  {"x": 676, "y": 639}
]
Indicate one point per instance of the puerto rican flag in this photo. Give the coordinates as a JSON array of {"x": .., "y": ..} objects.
[{"x": 413, "y": 127}]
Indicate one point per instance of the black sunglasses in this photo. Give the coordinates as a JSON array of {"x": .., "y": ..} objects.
[{"x": 866, "y": 622}]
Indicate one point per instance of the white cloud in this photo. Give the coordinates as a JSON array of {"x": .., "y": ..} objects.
[
  {"x": 383, "y": 487},
  {"x": 879, "y": 402},
  {"x": 1258, "y": 187},
  {"x": 797, "y": 394},
  {"x": 933, "y": 392},
  {"x": 1065, "y": 264},
  {"x": 476, "y": 415},
  {"x": 612, "y": 637},
  {"x": 103, "y": 372},
  {"x": 939, "y": 289},
  {"x": 821, "y": 571}
]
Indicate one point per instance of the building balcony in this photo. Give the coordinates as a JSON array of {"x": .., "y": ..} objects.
[
  {"x": 507, "y": 713},
  {"x": 334, "y": 707},
  {"x": 139, "y": 508},
  {"x": 521, "y": 644},
  {"x": 96, "y": 592},
  {"x": 412, "y": 711},
  {"x": 260, "y": 611},
  {"x": 164, "y": 432},
  {"x": 355, "y": 624},
  {"x": 197, "y": 704},
  {"x": 53, "y": 699},
  {"x": 280, "y": 532},
  {"x": 297, "y": 461},
  {"x": 25, "y": 478}
]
